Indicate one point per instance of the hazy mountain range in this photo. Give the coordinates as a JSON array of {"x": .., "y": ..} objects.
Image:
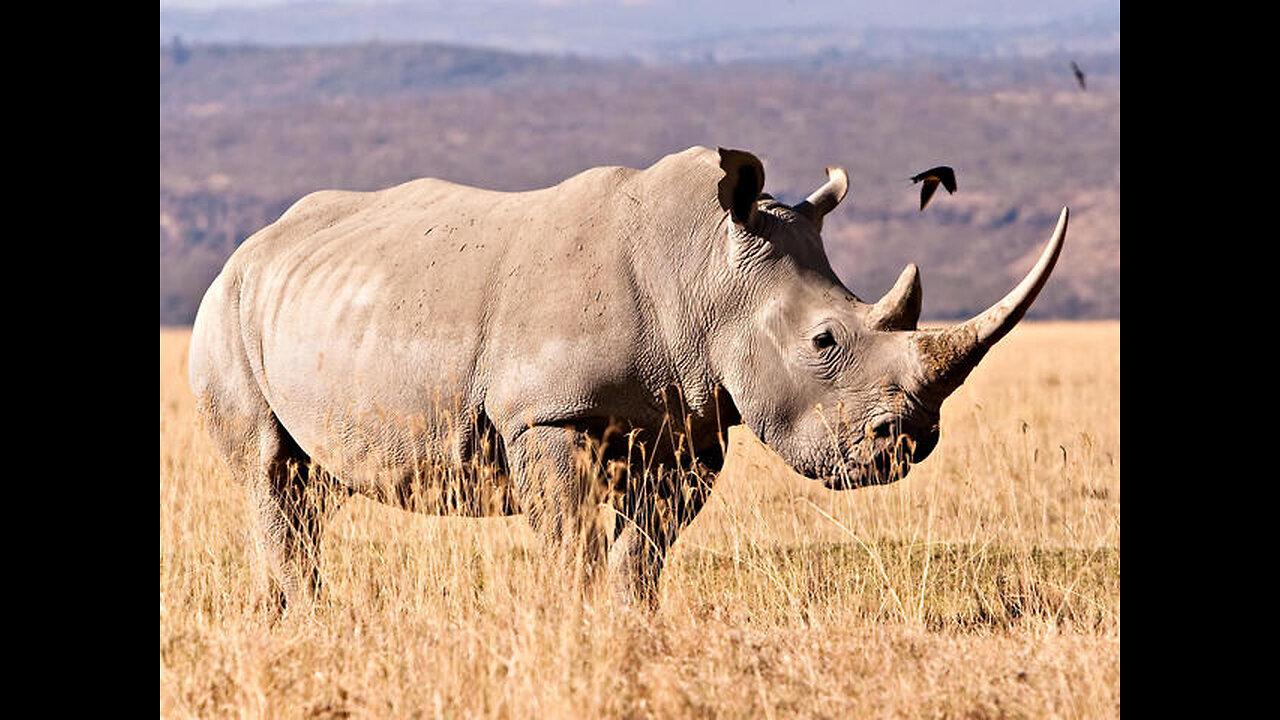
[{"x": 251, "y": 122}]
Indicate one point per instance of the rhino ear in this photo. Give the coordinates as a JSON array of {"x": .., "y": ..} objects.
[{"x": 742, "y": 183}]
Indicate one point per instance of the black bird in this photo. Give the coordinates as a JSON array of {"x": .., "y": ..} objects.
[
  {"x": 931, "y": 177},
  {"x": 1079, "y": 74}
]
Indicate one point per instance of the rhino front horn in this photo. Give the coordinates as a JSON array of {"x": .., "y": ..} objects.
[
  {"x": 826, "y": 198},
  {"x": 950, "y": 354}
]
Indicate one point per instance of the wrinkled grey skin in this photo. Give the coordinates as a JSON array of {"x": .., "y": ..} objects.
[{"x": 454, "y": 350}]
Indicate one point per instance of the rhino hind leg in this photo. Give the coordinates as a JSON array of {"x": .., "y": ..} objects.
[
  {"x": 291, "y": 502},
  {"x": 289, "y": 499}
]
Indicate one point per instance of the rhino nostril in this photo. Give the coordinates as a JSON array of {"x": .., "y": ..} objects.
[
  {"x": 904, "y": 441},
  {"x": 887, "y": 429},
  {"x": 925, "y": 444}
]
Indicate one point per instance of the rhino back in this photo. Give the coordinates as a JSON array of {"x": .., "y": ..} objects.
[{"x": 379, "y": 324}]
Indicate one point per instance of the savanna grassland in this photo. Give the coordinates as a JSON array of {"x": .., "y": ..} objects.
[{"x": 986, "y": 584}]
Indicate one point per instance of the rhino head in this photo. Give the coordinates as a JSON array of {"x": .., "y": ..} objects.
[{"x": 847, "y": 392}]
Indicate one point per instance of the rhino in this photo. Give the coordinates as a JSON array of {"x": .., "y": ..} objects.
[{"x": 455, "y": 350}]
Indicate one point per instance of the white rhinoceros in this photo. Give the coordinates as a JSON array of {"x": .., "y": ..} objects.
[{"x": 457, "y": 350}]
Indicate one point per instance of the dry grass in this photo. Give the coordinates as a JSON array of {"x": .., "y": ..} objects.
[{"x": 987, "y": 584}]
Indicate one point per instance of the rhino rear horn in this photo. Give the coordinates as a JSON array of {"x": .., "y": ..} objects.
[
  {"x": 742, "y": 183},
  {"x": 826, "y": 198},
  {"x": 899, "y": 309}
]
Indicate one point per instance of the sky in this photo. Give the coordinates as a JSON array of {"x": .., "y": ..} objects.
[
  {"x": 905, "y": 13},
  {"x": 606, "y": 27}
]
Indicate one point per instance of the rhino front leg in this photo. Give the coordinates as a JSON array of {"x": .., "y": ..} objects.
[
  {"x": 555, "y": 471},
  {"x": 635, "y": 567},
  {"x": 655, "y": 511}
]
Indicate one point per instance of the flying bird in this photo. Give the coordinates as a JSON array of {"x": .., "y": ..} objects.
[
  {"x": 1079, "y": 74},
  {"x": 931, "y": 178}
]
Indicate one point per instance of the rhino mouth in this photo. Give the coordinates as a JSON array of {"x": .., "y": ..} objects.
[
  {"x": 884, "y": 467},
  {"x": 887, "y": 460}
]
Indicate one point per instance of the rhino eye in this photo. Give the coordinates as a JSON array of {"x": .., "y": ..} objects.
[{"x": 824, "y": 340}]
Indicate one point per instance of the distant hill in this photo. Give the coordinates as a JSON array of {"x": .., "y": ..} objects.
[{"x": 245, "y": 130}]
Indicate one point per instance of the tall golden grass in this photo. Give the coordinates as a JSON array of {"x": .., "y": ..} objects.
[{"x": 985, "y": 584}]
